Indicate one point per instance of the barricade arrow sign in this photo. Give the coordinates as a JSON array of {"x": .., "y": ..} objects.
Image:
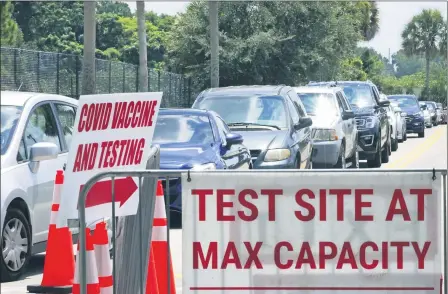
[{"x": 101, "y": 192}]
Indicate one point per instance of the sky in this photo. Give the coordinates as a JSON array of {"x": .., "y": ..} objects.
[{"x": 393, "y": 18}]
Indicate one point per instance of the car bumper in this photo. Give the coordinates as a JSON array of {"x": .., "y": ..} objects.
[
  {"x": 415, "y": 125},
  {"x": 367, "y": 142},
  {"x": 326, "y": 153}
]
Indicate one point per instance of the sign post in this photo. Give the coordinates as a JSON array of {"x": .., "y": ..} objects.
[
  {"x": 334, "y": 232},
  {"x": 112, "y": 132}
]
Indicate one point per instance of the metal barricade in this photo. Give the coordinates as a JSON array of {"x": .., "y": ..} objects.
[{"x": 147, "y": 185}]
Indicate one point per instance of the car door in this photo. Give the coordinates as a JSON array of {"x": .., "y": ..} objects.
[
  {"x": 301, "y": 137},
  {"x": 235, "y": 157},
  {"x": 350, "y": 124},
  {"x": 345, "y": 127},
  {"x": 41, "y": 126},
  {"x": 382, "y": 116}
]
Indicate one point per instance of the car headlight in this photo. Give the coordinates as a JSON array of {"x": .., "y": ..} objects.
[
  {"x": 325, "y": 135},
  {"x": 418, "y": 114},
  {"x": 277, "y": 155},
  {"x": 203, "y": 167},
  {"x": 370, "y": 122}
]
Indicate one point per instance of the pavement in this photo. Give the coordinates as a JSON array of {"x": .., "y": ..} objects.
[{"x": 415, "y": 153}]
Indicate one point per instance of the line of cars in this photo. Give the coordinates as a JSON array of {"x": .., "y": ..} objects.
[{"x": 325, "y": 124}]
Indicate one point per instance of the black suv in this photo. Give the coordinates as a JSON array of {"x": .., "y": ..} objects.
[{"x": 374, "y": 131}]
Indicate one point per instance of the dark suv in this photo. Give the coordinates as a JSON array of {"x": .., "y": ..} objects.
[
  {"x": 271, "y": 119},
  {"x": 374, "y": 131}
]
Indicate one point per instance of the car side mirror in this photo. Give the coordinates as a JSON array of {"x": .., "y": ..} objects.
[
  {"x": 304, "y": 122},
  {"x": 384, "y": 103},
  {"x": 346, "y": 115},
  {"x": 233, "y": 138},
  {"x": 40, "y": 152}
]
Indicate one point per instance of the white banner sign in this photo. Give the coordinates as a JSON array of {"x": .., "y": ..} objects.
[
  {"x": 112, "y": 132},
  {"x": 270, "y": 232}
]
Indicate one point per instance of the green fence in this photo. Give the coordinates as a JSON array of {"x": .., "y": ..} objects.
[{"x": 59, "y": 73}]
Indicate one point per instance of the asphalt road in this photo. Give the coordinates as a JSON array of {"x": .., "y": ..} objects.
[{"x": 428, "y": 152}]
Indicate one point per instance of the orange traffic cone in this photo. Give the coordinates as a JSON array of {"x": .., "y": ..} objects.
[
  {"x": 151, "y": 282},
  {"x": 93, "y": 286},
  {"x": 159, "y": 245},
  {"x": 59, "y": 251},
  {"x": 103, "y": 262}
]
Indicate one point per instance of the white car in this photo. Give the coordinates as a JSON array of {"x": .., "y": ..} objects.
[
  {"x": 401, "y": 122},
  {"x": 393, "y": 124},
  {"x": 36, "y": 132},
  {"x": 426, "y": 114}
]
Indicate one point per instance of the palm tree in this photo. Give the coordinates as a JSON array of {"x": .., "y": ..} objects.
[
  {"x": 443, "y": 42},
  {"x": 142, "y": 50},
  {"x": 423, "y": 36},
  {"x": 369, "y": 19},
  {"x": 88, "y": 66}
]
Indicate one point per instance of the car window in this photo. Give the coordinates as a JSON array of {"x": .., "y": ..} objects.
[
  {"x": 342, "y": 98},
  {"x": 41, "y": 127},
  {"x": 297, "y": 103},
  {"x": 293, "y": 111},
  {"x": 340, "y": 105},
  {"x": 319, "y": 104},
  {"x": 66, "y": 115},
  {"x": 359, "y": 95},
  {"x": 223, "y": 129},
  {"x": 10, "y": 116}
]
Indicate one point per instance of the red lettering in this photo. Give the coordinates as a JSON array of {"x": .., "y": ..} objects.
[
  {"x": 359, "y": 204},
  {"x": 305, "y": 256},
  {"x": 323, "y": 205},
  {"x": 306, "y": 205},
  {"x": 77, "y": 164},
  {"x": 99, "y": 109},
  {"x": 277, "y": 255},
  {"x": 103, "y": 147},
  {"x": 399, "y": 246},
  {"x": 139, "y": 152},
  {"x": 231, "y": 256},
  {"x": 106, "y": 115},
  {"x": 211, "y": 256},
  {"x": 253, "y": 255},
  {"x": 82, "y": 117},
  {"x": 246, "y": 204},
  {"x": 362, "y": 255},
  {"x": 122, "y": 144},
  {"x": 113, "y": 158},
  {"x": 135, "y": 119},
  {"x": 384, "y": 256},
  {"x": 323, "y": 256},
  {"x": 340, "y": 193},
  {"x": 346, "y": 257},
  {"x": 117, "y": 111},
  {"x": 201, "y": 193},
  {"x": 107, "y": 158},
  {"x": 272, "y": 193},
  {"x": 90, "y": 117},
  {"x": 421, "y": 253},
  {"x": 421, "y": 193},
  {"x": 127, "y": 121},
  {"x": 221, "y": 204},
  {"x": 131, "y": 153},
  {"x": 398, "y": 198}
]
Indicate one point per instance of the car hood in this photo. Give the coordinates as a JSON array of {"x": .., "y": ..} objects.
[
  {"x": 262, "y": 140},
  {"x": 324, "y": 122},
  {"x": 185, "y": 157},
  {"x": 363, "y": 111},
  {"x": 410, "y": 110}
]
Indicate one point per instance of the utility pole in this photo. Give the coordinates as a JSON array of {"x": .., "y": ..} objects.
[
  {"x": 214, "y": 43},
  {"x": 142, "y": 51},
  {"x": 88, "y": 66}
]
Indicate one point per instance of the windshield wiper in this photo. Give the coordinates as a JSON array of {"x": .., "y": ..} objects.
[{"x": 240, "y": 124}]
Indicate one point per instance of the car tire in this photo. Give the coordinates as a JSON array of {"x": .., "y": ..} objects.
[
  {"x": 421, "y": 134},
  {"x": 386, "y": 152},
  {"x": 355, "y": 160},
  {"x": 16, "y": 218},
  {"x": 405, "y": 136},
  {"x": 341, "y": 159},
  {"x": 394, "y": 146},
  {"x": 376, "y": 161}
]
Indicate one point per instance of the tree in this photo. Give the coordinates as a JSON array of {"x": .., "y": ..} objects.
[
  {"x": 369, "y": 19},
  {"x": 113, "y": 7},
  {"x": 423, "y": 35},
  {"x": 10, "y": 32}
]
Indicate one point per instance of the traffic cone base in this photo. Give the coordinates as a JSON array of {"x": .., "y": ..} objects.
[
  {"x": 151, "y": 281},
  {"x": 93, "y": 286},
  {"x": 103, "y": 261}
]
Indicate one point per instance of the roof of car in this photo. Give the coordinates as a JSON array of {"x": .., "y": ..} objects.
[
  {"x": 241, "y": 90},
  {"x": 17, "y": 98},
  {"x": 185, "y": 111},
  {"x": 317, "y": 89},
  {"x": 402, "y": 95},
  {"x": 342, "y": 83}
]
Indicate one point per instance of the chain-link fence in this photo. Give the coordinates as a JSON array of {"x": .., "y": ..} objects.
[{"x": 60, "y": 73}]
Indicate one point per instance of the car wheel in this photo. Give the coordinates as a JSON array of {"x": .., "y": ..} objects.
[
  {"x": 394, "y": 146},
  {"x": 421, "y": 134},
  {"x": 341, "y": 160},
  {"x": 405, "y": 135},
  {"x": 376, "y": 161},
  {"x": 355, "y": 160},
  {"x": 15, "y": 245},
  {"x": 385, "y": 153}
]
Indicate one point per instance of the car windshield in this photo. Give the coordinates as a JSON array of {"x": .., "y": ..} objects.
[
  {"x": 182, "y": 129},
  {"x": 261, "y": 110},
  {"x": 359, "y": 95},
  {"x": 10, "y": 116},
  {"x": 319, "y": 104},
  {"x": 406, "y": 102}
]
